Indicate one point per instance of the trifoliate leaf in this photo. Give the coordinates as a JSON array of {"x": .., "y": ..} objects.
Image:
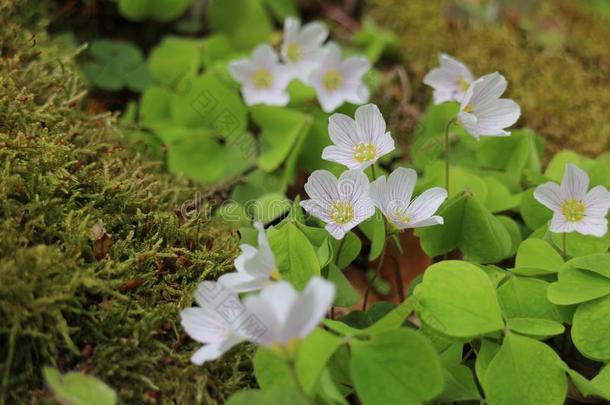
[
  {"x": 537, "y": 257},
  {"x": 575, "y": 286},
  {"x": 78, "y": 389},
  {"x": 591, "y": 329}
]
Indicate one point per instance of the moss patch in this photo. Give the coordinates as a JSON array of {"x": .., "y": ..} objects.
[
  {"x": 554, "y": 55},
  {"x": 95, "y": 263}
]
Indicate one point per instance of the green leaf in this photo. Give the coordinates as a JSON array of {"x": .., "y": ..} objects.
[
  {"x": 346, "y": 295},
  {"x": 269, "y": 207},
  {"x": 582, "y": 245},
  {"x": 312, "y": 355},
  {"x": 459, "y": 385},
  {"x": 537, "y": 257},
  {"x": 350, "y": 249},
  {"x": 393, "y": 319},
  {"x": 525, "y": 372},
  {"x": 295, "y": 256},
  {"x": 201, "y": 157},
  {"x": 208, "y": 103},
  {"x": 554, "y": 170},
  {"x": 275, "y": 396},
  {"x": 373, "y": 40},
  {"x": 535, "y": 327},
  {"x": 244, "y": 22},
  {"x": 283, "y": 8},
  {"x": 160, "y": 10},
  {"x": 175, "y": 61},
  {"x": 487, "y": 352},
  {"x": 280, "y": 130},
  {"x": 155, "y": 107},
  {"x": 589, "y": 388},
  {"x": 602, "y": 381},
  {"x": 591, "y": 329},
  {"x": 458, "y": 299},
  {"x": 511, "y": 153},
  {"x": 429, "y": 134},
  {"x": 374, "y": 229},
  {"x": 526, "y": 298},
  {"x": 403, "y": 365},
  {"x": 597, "y": 263},
  {"x": 533, "y": 213},
  {"x": 499, "y": 197},
  {"x": 78, "y": 389},
  {"x": 575, "y": 286},
  {"x": 217, "y": 49},
  {"x": 514, "y": 231}
]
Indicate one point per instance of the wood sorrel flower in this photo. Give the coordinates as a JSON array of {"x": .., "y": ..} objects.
[
  {"x": 255, "y": 266},
  {"x": 302, "y": 49},
  {"x": 213, "y": 321},
  {"x": 450, "y": 80},
  {"x": 263, "y": 78},
  {"x": 287, "y": 315},
  {"x": 358, "y": 143},
  {"x": 575, "y": 209},
  {"x": 342, "y": 203},
  {"x": 393, "y": 198},
  {"x": 337, "y": 80},
  {"x": 483, "y": 112}
]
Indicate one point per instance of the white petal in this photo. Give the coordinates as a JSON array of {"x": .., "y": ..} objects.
[
  {"x": 363, "y": 210},
  {"x": 353, "y": 186},
  {"x": 384, "y": 144},
  {"x": 316, "y": 209},
  {"x": 401, "y": 183},
  {"x": 597, "y": 202},
  {"x": 433, "y": 220},
  {"x": 281, "y": 296},
  {"x": 456, "y": 66},
  {"x": 356, "y": 92},
  {"x": 309, "y": 309},
  {"x": 550, "y": 195},
  {"x": 264, "y": 55},
  {"x": 239, "y": 282},
  {"x": 487, "y": 89},
  {"x": 313, "y": 33},
  {"x": 344, "y": 131},
  {"x": 262, "y": 325},
  {"x": 575, "y": 182},
  {"x": 341, "y": 155},
  {"x": 354, "y": 67},
  {"x": 560, "y": 225},
  {"x": 501, "y": 113},
  {"x": 332, "y": 55},
  {"x": 328, "y": 101},
  {"x": 379, "y": 194},
  {"x": 242, "y": 70},
  {"x": 336, "y": 231},
  {"x": 202, "y": 326},
  {"x": 292, "y": 27},
  {"x": 214, "y": 350},
  {"x": 322, "y": 188},
  {"x": 370, "y": 122},
  {"x": 469, "y": 122},
  {"x": 427, "y": 203},
  {"x": 263, "y": 246},
  {"x": 592, "y": 226}
]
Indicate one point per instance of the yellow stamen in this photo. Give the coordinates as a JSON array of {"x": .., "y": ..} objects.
[
  {"x": 262, "y": 79},
  {"x": 365, "y": 152},
  {"x": 275, "y": 275},
  {"x": 573, "y": 210},
  {"x": 287, "y": 350},
  {"x": 341, "y": 212},
  {"x": 403, "y": 217},
  {"x": 293, "y": 52},
  {"x": 332, "y": 79},
  {"x": 469, "y": 108},
  {"x": 463, "y": 83}
]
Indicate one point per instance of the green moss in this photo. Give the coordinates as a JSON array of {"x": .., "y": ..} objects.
[
  {"x": 71, "y": 294},
  {"x": 555, "y": 57}
]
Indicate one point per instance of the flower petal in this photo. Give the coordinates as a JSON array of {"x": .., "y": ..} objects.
[
  {"x": 341, "y": 155},
  {"x": 322, "y": 186},
  {"x": 575, "y": 182},
  {"x": 310, "y": 308},
  {"x": 487, "y": 89},
  {"x": 550, "y": 195},
  {"x": 239, "y": 282},
  {"x": 370, "y": 122},
  {"x": 313, "y": 33},
  {"x": 353, "y": 186},
  {"x": 292, "y": 26},
  {"x": 592, "y": 226},
  {"x": 560, "y": 225},
  {"x": 355, "y": 67},
  {"x": 264, "y": 55},
  {"x": 426, "y": 204},
  {"x": 433, "y": 220},
  {"x": 316, "y": 210},
  {"x": 597, "y": 201},
  {"x": 281, "y": 296},
  {"x": 214, "y": 350},
  {"x": 242, "y": 70},
  {"x": 203, "y": 325},
  {"x": 344, "y": 131},
  {"x": 401, "y": 183}
]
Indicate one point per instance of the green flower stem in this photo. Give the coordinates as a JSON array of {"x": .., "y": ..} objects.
[
  {"x": 379, "y": 266},
  {"x": 564, "y": 243},
  {"x": 293, "y": 372},
  {"x": 373, "y": 171},
  {"x": 451, "y": 121}
]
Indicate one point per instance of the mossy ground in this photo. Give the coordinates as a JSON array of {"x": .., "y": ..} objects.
[
  {"x": 72, "y": 294},
  {"x": 553, "y": 53}
]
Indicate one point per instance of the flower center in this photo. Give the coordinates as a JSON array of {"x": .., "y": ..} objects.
[
  {"x": 262, "y": 79},
  {"x": 293, "y": 52},
  {"x": 463, "y": 84},
  {"x": 332, "y": 79},
  {"x": 403, "y": 217},
  {"x": 573, "y": 210},
  {"x": 469, "y": 108},
  {"x": 365, "y": 152},
  {"x": 274, "y": 276},
  {"x": 341, "y": 212}
]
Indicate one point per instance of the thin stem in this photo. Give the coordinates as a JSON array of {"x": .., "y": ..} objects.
[
  {"x": 373, "y": 171},
  {"x": 378, "y": 269},
  {"x": 332, "y": 308},
  {"x": 564, "y": 242},
  {"x": 398, "y": 277},
  {"x": 451, "y": 121},
  {"x": 297, "y": 383}
]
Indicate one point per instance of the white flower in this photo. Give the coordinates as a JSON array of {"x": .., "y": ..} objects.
[
  {"x": 302, "y": 46},
  {"x": 263, "y": 79},
  {"x": 342, "y": 203},
  {"x": 289, "y": 316},
  {"x": 483, "y": 112},
  {"x": 255, "y": 267},
  {"x": 337, "y": 81},
  {"x": 573, "y": 208},
  {"x": 450, "y": 80},
  {"x": 393, "y": 198},
  {"x": 358, "y": 143},
  {"x": 207, "y": 324}
]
